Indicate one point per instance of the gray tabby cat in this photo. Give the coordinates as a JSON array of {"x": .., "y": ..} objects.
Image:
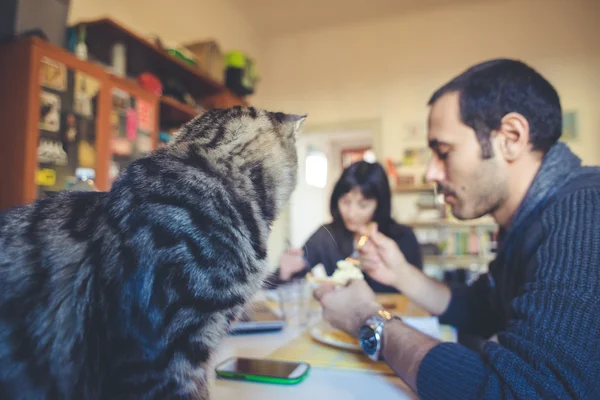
[{"x": 125, "y": 294}]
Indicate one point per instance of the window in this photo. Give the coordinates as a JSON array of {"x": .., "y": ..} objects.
[{"x": 316, "y": 168}]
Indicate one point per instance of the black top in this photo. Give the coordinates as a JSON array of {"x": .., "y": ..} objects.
[{"x": 331, "y": 243}]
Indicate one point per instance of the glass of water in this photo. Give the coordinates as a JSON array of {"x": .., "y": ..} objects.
[{"x": 296, "y": 302}]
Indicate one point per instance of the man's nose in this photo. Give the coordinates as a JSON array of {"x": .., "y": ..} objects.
[{"x": 435, "y": 171}]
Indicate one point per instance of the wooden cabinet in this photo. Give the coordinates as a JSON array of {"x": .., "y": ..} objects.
[
  {"x": 60, "y": 115},
  {"x": 133, "y": 126},
  {"x": 51, "y": 107},
  {"x": 57, "y": 115}
]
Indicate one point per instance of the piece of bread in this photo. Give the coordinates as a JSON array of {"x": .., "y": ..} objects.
[{"x": 346, "y": 271}]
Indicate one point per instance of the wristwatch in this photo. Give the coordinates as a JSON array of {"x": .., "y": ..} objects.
[{"x": 370, "y": 334}]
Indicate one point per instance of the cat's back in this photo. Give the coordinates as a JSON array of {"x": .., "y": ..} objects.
[
  {"x": 50, "y": 231},
  {"x": 44, "y": 295}
]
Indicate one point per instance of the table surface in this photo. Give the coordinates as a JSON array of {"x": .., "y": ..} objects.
[{"x": 321, "y": 383}]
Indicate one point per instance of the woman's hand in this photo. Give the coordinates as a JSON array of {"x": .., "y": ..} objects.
[
  {"x": 381, "y": 258},
  {"x": 291, "y": 262}
]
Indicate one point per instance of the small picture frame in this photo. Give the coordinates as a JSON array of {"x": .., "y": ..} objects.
[
  {"x": 53, "y": 75},
  {"x": 570, "y": 126},
  {"x": 352, "y": 155},
  {"x": 50, "y": 112}
]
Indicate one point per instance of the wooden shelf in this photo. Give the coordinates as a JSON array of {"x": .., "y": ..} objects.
[
  {"x": 223, "y": 100},
  {"x": 458, "y": 260},
  {"x": 144, "y": 56},
  {"x": 452, "y": 224},
  {"x": 430, "y": 206},
  {"x": 412, "y": 189},
  {"x": 174, "y": 113}
]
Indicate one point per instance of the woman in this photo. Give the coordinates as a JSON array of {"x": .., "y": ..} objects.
[{"x": 361, "y": 195}]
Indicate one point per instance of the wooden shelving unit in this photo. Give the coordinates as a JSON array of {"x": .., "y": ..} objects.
[
  {"x": 101, "y": 141},
  {"x": 144, "y": 56},
  {"x": 173, "y": 112},
  {"x": 457, "y": 261},
  {"x": 451, "y": 224},
  {"x": 412, "y": 189}
]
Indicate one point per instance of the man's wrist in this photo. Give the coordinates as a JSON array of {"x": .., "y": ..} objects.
[
  {"x": 363, "y": 313},
  {"x": 401, "y": 279},
  {"x": 404, "y": 277}
]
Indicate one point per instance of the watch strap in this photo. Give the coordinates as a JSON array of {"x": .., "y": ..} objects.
[{"x": 378, "y": 322}]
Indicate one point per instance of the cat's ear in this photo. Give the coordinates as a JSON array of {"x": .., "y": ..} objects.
[{"x": 295, "y": 122}]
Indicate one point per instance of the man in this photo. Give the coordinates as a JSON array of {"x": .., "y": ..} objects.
[{"x": 494, "y": 132}]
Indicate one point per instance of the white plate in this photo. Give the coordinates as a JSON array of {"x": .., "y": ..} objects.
[{"x": 321, "y": 333}]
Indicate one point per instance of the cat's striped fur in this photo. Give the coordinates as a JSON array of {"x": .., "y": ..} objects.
[{"x": 125, "y": 294}]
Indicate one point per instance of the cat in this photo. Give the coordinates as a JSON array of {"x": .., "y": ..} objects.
[{"x": 125, "y": 294}]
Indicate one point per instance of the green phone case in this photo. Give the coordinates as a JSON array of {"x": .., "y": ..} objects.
[{"x": 260, "y": 378}]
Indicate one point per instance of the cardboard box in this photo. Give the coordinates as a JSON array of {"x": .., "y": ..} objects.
[{"x": 209, "y": 59}]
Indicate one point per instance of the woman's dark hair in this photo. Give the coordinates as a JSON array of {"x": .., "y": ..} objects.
[{"x": 373, "y": 183}]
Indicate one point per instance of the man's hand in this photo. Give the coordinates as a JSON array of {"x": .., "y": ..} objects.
[
  {"x": 348, "y": 308},
  {"x": 381, "y": 258}
]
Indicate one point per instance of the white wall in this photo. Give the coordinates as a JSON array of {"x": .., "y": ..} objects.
[
  {"x": 308, "y": 204},
  {"x": 387, "y": 69}
]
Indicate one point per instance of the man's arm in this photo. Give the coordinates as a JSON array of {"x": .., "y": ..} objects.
[
  {"x": 467, "y": 308},
  {"x": 549, "y": 353},
  {"x": 383, "y": 259},
  {"x": 470, "y": 309},
  {"x": 428, "y": 293},
  {"x": 548, "y": 349},
  {"x": 404, "y": 348}
]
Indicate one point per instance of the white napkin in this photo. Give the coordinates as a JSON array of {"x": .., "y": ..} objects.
[{"x": 427, "y": 325}]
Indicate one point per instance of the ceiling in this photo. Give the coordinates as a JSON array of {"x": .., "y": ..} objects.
[{"x": 277, "y": 17}]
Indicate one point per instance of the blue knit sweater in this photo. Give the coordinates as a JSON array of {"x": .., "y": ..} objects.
[{"x": 541, "y": 298}]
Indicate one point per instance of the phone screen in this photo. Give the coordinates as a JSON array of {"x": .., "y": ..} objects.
[{"x": 270, "y": 368}]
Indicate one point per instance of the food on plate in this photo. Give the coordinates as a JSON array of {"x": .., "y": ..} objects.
[
  {"x": 345, "y": 272},
  {"x": 339, "y": 336}
]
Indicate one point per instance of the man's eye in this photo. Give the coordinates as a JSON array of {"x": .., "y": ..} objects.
[{"x": 443, "y": 156}]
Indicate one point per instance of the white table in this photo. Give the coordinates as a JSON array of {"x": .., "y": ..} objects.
[{"x": 320, "y": 383}]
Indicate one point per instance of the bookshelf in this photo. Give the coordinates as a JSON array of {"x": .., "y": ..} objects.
[
  {"x": 144, "y": 56},
  {"x": 109, "y": 120}
]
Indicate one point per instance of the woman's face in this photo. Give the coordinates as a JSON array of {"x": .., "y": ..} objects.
[{"x": 356, "y": 210}]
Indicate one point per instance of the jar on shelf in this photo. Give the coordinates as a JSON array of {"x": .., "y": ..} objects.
[{"x": 84, "y": 180}]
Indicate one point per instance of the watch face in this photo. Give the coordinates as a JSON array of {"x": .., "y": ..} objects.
[{"x": 368, "y": 340}]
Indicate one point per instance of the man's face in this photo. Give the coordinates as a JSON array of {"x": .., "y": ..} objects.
[{"x": 471, "y": 185}]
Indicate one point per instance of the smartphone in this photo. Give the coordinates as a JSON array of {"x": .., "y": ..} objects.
[
  {"x": 258, "y": 318},
  {"x": 261, "y": 370}
]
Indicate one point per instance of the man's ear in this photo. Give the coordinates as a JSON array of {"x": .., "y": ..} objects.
[{"x": 513, "y": 136}]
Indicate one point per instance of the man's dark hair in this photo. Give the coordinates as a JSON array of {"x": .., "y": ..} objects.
[{"x": 492, "y": 89}]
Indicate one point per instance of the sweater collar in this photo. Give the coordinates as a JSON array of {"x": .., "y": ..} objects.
[{"x": 557, "y": 165}]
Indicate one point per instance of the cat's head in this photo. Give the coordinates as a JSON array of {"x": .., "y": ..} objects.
[{"x": 260, "y": 143}]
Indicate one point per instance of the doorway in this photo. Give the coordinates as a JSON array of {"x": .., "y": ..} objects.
[{"x": 322, "y": 156}]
